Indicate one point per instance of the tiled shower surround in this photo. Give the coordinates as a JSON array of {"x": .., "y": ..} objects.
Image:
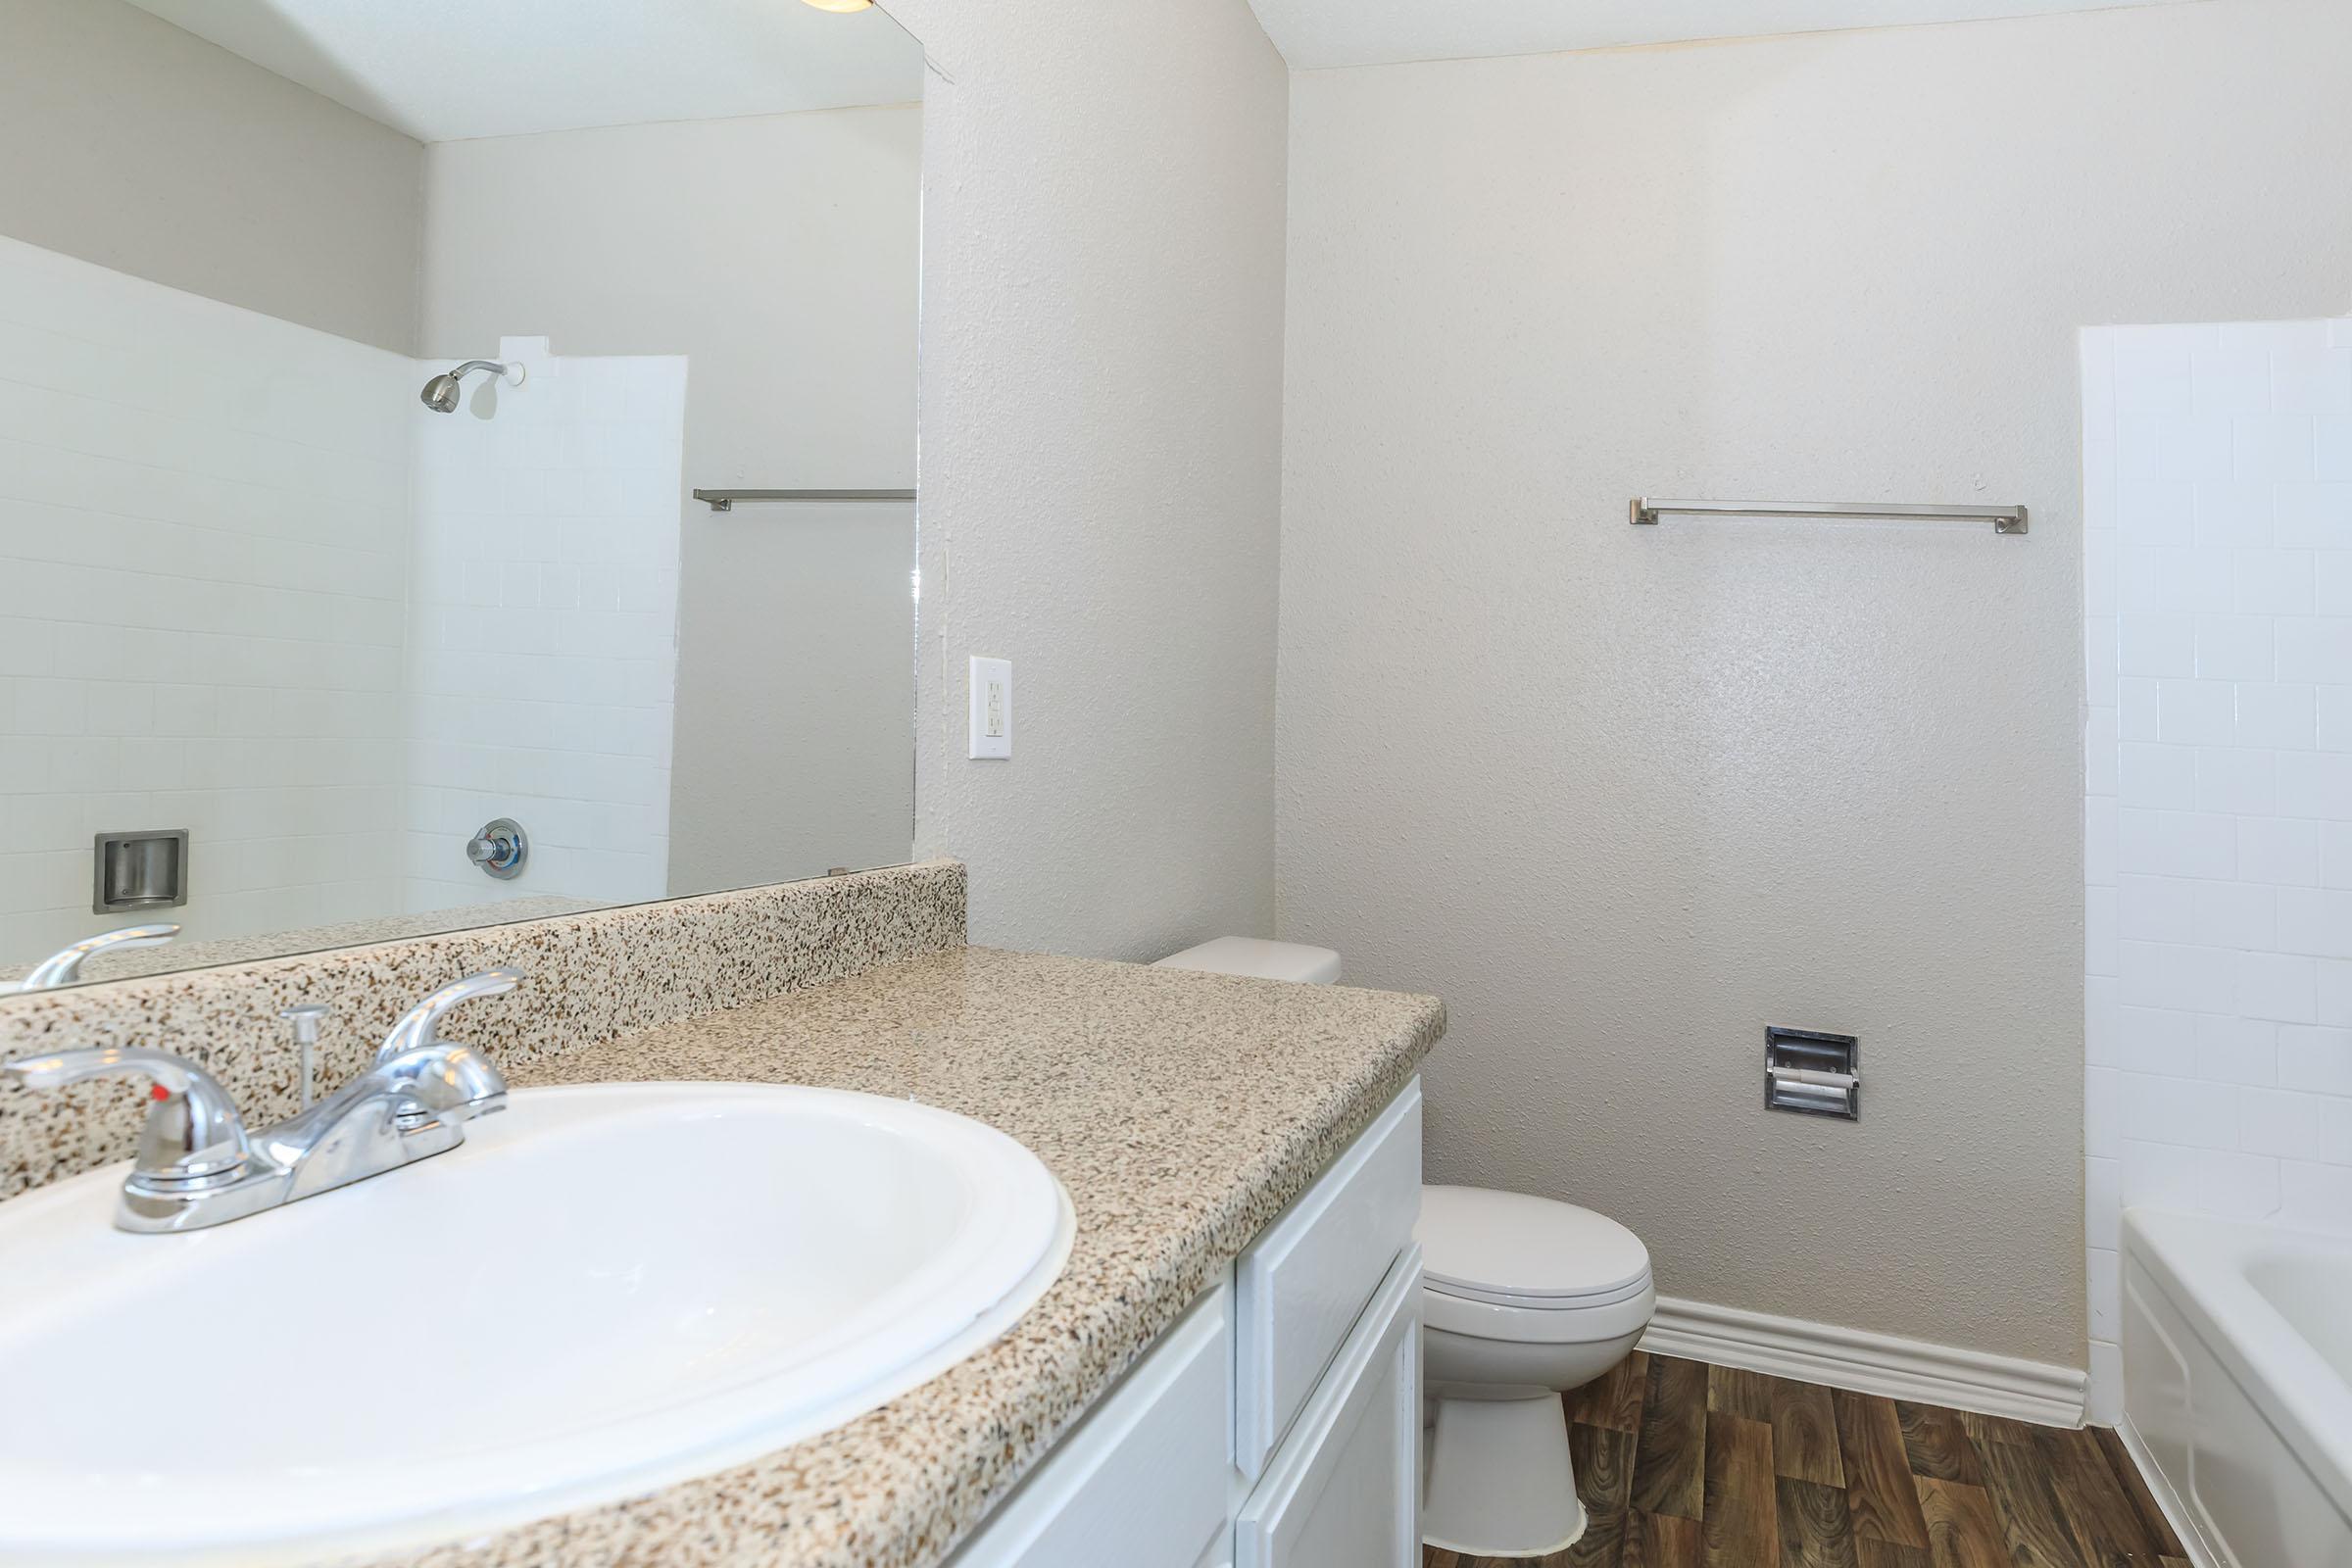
[
  {"x": 543, "y": 628},
  {"x": 2218, "y": 781},
  {"x": 352, "y": 631}
]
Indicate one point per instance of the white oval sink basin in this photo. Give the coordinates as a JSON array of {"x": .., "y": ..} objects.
[{"x": 604, "y": 1291}]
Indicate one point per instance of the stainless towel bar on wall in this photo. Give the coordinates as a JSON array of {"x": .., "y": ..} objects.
[
  {"x": 724, "y": 500},
  {"x": 2004, "y": 519}
]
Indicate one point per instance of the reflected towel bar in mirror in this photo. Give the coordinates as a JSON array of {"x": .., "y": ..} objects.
[
  {"x": 724, "y": 500},
  {"x": 2004, "y": 519}
]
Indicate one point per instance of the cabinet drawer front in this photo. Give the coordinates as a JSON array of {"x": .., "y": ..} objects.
[
  {"x": 1146, "y": 1478},
  {"x": 1301, "y": 1285},
  {"x": 1345, "y": 1488}
]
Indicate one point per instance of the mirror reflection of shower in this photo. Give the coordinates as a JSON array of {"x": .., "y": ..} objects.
[
  {"x": 440, "y": 394},
  {"x": 398, "y": 629}
]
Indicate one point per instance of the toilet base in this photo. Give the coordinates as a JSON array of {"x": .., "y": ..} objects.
[{"x": 1500, "y": 1482}]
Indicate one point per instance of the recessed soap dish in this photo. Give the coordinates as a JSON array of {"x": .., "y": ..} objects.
[{"x": 139, "y": 871}]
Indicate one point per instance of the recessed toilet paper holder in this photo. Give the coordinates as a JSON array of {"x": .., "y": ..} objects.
[{"x": 1809, "y": 1071}]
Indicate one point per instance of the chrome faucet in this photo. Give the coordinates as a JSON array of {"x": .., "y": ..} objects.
[
  {"x": 64, "y": 967},
  {"x": 198, "y": 1166}
]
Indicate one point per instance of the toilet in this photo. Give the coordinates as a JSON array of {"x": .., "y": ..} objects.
[{"x": 1523, "y": 1298}]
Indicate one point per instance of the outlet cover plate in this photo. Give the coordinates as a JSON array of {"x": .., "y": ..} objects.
[{"x": 992, "y": 709}]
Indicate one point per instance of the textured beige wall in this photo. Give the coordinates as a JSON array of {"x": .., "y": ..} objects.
[
  {"x": 779, "y": 253},
  {"x": 137, "y": 146},
  {"x": 1624, "y": 796},
  {"x": 1102, "y": 421}
]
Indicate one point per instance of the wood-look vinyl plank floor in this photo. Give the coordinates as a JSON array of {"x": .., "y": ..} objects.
[
  {"x": 1741, "y": 1522},
  {"x": 1804, "y": 1434},
  {"x": 1683, "y": 1465},
  {"x": 1670, "y": 1449},
  {"x": 1613, "y": 1401}
]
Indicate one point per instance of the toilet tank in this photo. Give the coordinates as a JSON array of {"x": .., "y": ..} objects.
[{"x": 1259, "y": 958}]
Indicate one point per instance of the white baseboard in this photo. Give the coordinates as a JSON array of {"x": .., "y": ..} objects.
[{"x": 1868, "y": 1363}]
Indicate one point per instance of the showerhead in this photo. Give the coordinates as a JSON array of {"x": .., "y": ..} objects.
[{"x": 440, "y": 394}]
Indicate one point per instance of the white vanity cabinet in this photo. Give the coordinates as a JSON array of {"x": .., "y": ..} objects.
[
  {"x": 1278, "y": 1423},
  {"x": 1345, "y": 1488},
  {"x": 1147, "y": 1469}
]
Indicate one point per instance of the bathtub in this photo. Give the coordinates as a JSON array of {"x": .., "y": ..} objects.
[{"x": 2237, "y": 1384}]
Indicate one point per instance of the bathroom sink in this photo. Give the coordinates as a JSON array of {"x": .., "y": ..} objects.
[{"x": 603, "y": 1291}]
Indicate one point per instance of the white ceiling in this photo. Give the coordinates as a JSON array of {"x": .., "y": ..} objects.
[
  {"x": 1315, "y": 33},
  {"x": 448, "y": 70}
]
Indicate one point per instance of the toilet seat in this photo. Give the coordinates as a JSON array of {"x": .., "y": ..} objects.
[
  {"x": 1535, "y": 1303},
  {"x": 1513, "y": 1266},
  {"x": 1584, "y": 1323}
]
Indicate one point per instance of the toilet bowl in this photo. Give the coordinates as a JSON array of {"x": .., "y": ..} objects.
[{"x": 1522, "y": 1299}]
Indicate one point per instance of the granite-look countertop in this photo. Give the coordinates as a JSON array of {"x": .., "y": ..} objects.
[{"x": 1181, "y": 1110}]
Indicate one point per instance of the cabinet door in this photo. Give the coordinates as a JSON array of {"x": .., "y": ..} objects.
[
  {"x": 1145, "y": 1480},
  {"x": 1220, "y": 1551},
  {"x": 1345, "y": 1488},
  {"x": 1301, "y": 1286}
]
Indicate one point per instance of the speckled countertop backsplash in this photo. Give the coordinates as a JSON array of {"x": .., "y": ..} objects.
[
  {"x": 1181, "y": 1110},
  {"x": 127, "y": 964},
  {"x": 593, "y": 977}
]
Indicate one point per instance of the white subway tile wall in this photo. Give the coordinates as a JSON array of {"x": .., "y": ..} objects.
[
  {"x": 2218, "y": 781},
  {"x": 203, "y": 562},
  {"x": 251, "y": 587}
]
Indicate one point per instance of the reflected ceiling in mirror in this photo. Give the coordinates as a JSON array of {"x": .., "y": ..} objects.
[{"x": 364, "y": 356}]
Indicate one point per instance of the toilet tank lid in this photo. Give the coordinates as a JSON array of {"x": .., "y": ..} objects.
[
  {"x": 1523, "y": 1246},
  {"x": 1259, "y": 958}
]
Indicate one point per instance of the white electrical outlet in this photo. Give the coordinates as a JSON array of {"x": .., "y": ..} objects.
[{"x": 992, "y": 708}]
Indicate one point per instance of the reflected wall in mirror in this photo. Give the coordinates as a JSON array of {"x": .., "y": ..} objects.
[{"x": 309, "y": 635}]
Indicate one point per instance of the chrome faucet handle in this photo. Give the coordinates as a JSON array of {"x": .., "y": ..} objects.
[
  {"x": 193, "y": 1136},
  {"x": 63, "y": 966},
  {"x": 421, "y": 1024}
]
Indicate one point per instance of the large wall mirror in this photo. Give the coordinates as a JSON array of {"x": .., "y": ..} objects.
[{"x": 359, "y": 363}]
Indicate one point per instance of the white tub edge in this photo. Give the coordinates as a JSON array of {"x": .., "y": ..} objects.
[{"x": 2195, "y": 1267}]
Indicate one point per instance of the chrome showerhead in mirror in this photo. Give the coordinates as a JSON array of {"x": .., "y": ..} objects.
[{"x": 440, "y": 394}]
